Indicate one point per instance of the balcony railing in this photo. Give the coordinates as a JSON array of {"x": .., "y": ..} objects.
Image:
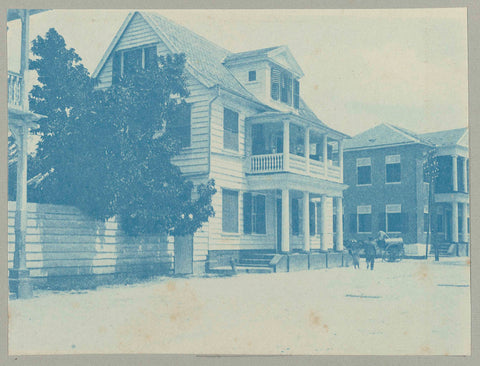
[
  {"x": 274, "y": 163},
  {"x": 14, "y": 90},
  {"x": 266, "y": 163}
]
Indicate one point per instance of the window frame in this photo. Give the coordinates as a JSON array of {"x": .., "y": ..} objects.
[
  {"x": 122, "y": 52},
  {"x": 393, "y": 157},
  {"x": 393, "y": 209},
  {"x": 237, "y": 150},
  {"x": 360, "y": 162},
  {"x": 237, "y": 232},
  {"x": 254, "y": 215},
  {"x": 250, "y": 73},
  {"x": 367, "y": 211}
]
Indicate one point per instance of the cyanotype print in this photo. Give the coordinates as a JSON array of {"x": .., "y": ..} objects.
[{"x": 238, "y": 182}]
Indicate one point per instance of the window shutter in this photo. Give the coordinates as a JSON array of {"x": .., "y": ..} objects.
[
  {"x": 312, "y": 218},
  {"x": 275, "y": 83},
  {"x": 353, "y": 223},
  {"x": 296, "y": 94},
  {"x": 258, "y": 144},
  {"x": 116, "y": 68},
  {"x": 247, "y": 213},
  {"x": 381, "y": 222},
  {"x": 150, "y": 57},
  {"x": 260, "y": 225}
]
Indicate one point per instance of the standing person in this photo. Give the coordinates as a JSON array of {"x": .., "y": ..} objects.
[
  {"x": 355, "y": 253},
  {"x": 370, "y": 253}
]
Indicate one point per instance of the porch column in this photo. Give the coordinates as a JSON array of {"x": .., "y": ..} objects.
[
  {"x": 464, "y": 174},
  {"x": 285, "y": 220},
  {"x": 339, "y": 228},
  {"x": 24, "y": 56},
  {"x": 454, "y": 174},
  {"x": 454, "y": 222},
  {"x": 307, "y": 149},
  {"x": 323, "y": 224},
  {"x": 286, "y": 144},
  {"x": 306, "y": 221},
  {"x": 464, "y": 222},
  {"x": 340, "y": 158},
  {"x": 325, "y": 152}
]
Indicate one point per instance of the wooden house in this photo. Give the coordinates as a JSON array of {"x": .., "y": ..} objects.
[{"x": 278, "y": 168}]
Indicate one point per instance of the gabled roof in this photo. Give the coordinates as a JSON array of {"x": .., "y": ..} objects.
[
  {"x": 204, "y": 58},
  {"x": 448, "y": 137},
  {"x": 263, "y": 52},
  {"x": 384, "y": 135}
]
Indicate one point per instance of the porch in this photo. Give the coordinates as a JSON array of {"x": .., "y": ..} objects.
[{"x": 287, "y": 143}]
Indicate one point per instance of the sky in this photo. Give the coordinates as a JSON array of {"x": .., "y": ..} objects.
[{"x": 362, "y": 67}]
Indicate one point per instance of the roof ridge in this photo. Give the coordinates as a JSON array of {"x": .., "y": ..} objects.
[{"x": 153, "y": 13}]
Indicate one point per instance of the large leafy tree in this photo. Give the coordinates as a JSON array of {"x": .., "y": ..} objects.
[{"x": 113, "y": 148}]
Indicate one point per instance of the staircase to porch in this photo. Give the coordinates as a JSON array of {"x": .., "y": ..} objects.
[
  {"x": 255, "y": 262},
  {"x": 444, "y": 250}
]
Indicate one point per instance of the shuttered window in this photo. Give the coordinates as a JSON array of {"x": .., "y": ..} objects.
[
  {"x": 275, "y": 83},
  {"x": 132, "y": 61},
  {"x": 230, "y": 129},
  {"x": 127, "y": 62},
  {"x": 254, "y": 214},
  {"x": 286, "y": 88},
  {"x": 296, "y": 94},
  {"x": 116, "y": 67},
  {"x": 229, "y": 211}
]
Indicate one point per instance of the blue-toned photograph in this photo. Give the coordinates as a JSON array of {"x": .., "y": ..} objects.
[{"x": 238, "y": 182}]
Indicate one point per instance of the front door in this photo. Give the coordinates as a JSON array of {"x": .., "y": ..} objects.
[{"x": 279, "y": 225}]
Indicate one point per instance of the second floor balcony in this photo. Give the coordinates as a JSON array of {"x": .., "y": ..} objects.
[{"x": 277, "y": 147}]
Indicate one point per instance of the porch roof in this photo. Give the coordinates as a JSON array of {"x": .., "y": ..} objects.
[
  {"x": 305, "y": 117},
  {"x": 296, "y": 182}
]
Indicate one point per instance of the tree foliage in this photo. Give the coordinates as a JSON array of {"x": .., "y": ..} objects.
[{"x": 109, "y": 152}]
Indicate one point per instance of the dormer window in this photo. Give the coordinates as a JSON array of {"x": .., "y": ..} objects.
[
  {"x": 284, "y": 87},
  {"x": 252, "y": 75},
  {"x": 127, "y": 62}
]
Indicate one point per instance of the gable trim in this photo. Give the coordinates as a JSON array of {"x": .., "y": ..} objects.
[{"x": 112, "y": 44}]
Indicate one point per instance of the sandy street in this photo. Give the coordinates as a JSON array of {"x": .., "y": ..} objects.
[{"x": 412, "y": 307}]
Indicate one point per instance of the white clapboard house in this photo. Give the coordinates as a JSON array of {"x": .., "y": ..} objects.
[{"x": 277, "y": 167}]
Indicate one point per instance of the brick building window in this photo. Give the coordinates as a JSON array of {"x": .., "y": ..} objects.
[
  {"x": 394, "y": 218},
  {"x": 393, "y": 169},
  {"x": 364, "y": 219},
  {"x": 364, "y": 171}
]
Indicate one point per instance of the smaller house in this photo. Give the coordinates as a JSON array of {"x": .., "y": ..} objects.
[{"x": 384, "y": 168}]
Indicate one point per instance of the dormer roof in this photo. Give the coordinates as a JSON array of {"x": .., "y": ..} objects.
[{"x": 279, "y": 55}]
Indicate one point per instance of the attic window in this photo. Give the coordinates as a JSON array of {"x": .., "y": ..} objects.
[
  {"x": 252, "y": 75},
  {"x": 127, "y": 62}
]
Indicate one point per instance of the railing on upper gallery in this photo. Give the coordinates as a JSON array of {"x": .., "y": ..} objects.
[
  {"x": 266, "y": 163},
  {"x": 14, "y": 90}
]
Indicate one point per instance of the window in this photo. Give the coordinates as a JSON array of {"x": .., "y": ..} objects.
[
  {"x": 182, "y": 125},
  {"x": 426, "y": 219},
  {"x": 393, "y": 171},
  {"x": 252, "y": 75},
  {"x": 296, "y": 94},
  {"x": 394, "y": 218},
  {"x": 284, "y": 87},
  {"x": 295, "y": 217},
  {"x": 127, "y": 62},
  {"x": 364, "y": 171},
  {"x": 364, "y": 218},
  {"x": 230, "y": 129},
  {"x": 254, "y": 213},
  {"x": 229, "y": 211}
]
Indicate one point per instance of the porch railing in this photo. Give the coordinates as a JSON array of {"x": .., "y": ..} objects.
[
  {"x": 266, "y": 163},
  {"x": 14, "y": 90}
]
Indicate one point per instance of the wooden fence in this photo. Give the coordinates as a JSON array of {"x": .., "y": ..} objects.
[{"x": 62, "y": 242}]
